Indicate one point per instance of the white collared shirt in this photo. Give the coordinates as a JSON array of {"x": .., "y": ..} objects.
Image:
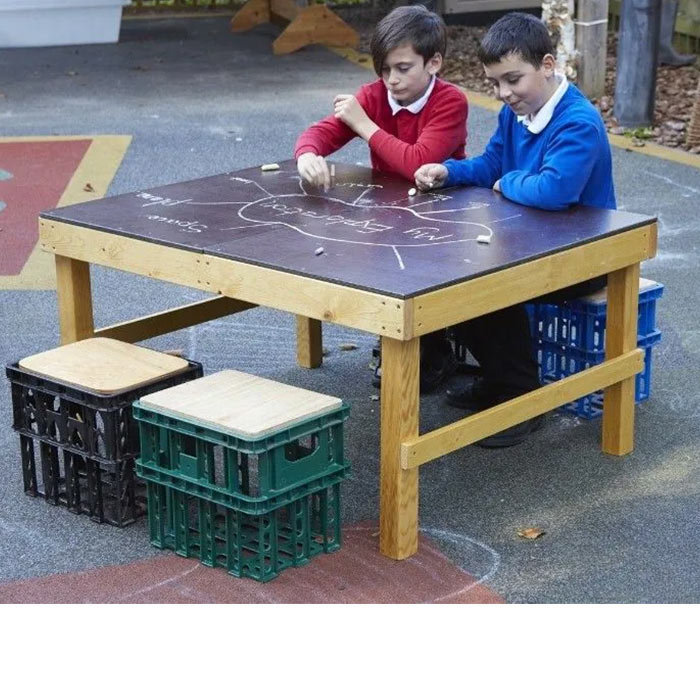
[
  {"x": 544, "y": 116},
  {"x": 414, "y": 107}
]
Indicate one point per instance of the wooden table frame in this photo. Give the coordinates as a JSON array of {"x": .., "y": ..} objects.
[{"x": 400, "y": 323}]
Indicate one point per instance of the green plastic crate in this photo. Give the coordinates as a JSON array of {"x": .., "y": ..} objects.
[
  {"x": 237, "y": 471},
  {"x": 253, "y": 546}
]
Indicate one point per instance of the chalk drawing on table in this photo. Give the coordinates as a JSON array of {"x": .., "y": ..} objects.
[{"x": 308, "y": 214}]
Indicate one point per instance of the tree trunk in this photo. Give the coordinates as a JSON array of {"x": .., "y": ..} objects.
[
  {"x": 558, "y": 17},
  {"x": 637, "y": 57},
  {"x": 592, "y": 44}
]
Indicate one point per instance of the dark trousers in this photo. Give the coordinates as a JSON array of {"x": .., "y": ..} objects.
[{"x": 502, "y": 344}]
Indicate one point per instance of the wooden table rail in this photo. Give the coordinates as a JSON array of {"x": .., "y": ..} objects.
[{"x": 430, "y": 446}]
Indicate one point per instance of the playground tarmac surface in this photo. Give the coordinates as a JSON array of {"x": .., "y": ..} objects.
[{"x": 196, "y": 100}]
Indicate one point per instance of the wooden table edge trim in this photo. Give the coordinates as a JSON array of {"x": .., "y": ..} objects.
[
  {"x": 446, "y": 307},
  {"x": 333, "y": 302},
  {"x": 437, "y": 443}
]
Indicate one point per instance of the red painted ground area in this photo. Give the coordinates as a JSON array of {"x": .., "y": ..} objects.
[
  {"x": 357, "y": 573},
  {"x": 40, "y": 173}
]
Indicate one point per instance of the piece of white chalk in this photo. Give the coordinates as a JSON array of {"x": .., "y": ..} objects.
[
  {"x": 318, "y": 251},
  {"x": 269, "y": 166},
  {"x": 483, "y": 238},
  {"x": 412, "y": 192}
]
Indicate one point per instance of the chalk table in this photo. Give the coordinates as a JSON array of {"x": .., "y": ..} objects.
[{"x": 367, "y": 255}]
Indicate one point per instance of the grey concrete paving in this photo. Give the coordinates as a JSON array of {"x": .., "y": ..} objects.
[{"x": 623, "y": 530}]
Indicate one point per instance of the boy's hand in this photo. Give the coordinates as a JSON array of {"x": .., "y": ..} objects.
[
  {"x": 350, "y": 112},
  {"x": 314, "y": 170},
  {"x": 430, "y": 176}
]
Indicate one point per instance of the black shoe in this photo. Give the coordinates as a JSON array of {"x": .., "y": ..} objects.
[
  {"x": 513, "y": 435},
  {"x": 376, "y": 366},
  {"x": 475, "y": 397},
  {"x": 435, "y": 369}
]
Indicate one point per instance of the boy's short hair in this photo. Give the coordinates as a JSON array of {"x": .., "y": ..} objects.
[
  {"x": 411, "y": 24},
  {"x": 516, "y": 32}
]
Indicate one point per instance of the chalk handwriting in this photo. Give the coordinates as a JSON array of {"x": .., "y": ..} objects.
[
  {"x": 163, "y": 201},
  {"x": 191, "y": 226},
  {"x": 427, "y": 232},
  {"x": 364, "y": 186},
  {"x": 369, "y": 225}
]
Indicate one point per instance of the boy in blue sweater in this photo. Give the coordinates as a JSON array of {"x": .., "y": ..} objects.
[{"x": 550, "y": 151}]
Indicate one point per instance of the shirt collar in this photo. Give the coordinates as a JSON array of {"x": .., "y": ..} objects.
[
  {"x": 544, "y": 116},
  {"x": 414, "y": 107}
]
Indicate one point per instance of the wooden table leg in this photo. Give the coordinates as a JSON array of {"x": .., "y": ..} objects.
[
  {"x": 398, "y": 507},
  {"x": 74, "y": 299},
  {"x": 620, "y": 337},
  {"x": 309, "y": 342}
]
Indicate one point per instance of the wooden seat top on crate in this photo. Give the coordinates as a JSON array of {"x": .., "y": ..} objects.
[
  {"x": 243, "y": 404},
  {"x": 601, "y": 296},
  {"x": 103, "y": 365}
]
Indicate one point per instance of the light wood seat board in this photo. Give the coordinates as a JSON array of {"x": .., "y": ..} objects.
[
  {"x": 103, "y": 365},
  {"x": 240, "y": 403},
  {"x": 602, "y": 294}
]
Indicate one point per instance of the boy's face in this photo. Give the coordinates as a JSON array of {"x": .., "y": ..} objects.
[
  {"x": 520, "y": 85},
  {"x": 406, "y": 75}
]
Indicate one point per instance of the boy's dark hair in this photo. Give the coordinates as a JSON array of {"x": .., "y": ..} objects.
[
  {"x": 411, "y": 24},
  {"x": 516, "y": 32}
]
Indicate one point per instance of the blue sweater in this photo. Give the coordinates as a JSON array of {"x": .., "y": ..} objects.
[{"x": 568, "y": 162}]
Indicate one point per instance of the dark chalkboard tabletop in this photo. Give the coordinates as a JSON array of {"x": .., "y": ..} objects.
[{"x": 367, "y": 231}]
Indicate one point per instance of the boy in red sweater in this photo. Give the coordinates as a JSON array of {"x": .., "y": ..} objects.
[{"x": 408, "y": 117}]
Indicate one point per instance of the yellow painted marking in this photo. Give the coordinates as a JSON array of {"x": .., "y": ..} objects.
[
  {"x": 480, "y": 100},
  {"x": 98, "y": 167}
]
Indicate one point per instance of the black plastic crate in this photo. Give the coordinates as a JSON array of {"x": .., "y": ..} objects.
[{"x": 78, "y": 447}]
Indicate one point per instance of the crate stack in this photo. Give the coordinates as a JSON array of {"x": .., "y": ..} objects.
[
  {"x": 78, "y": 440},
  {"x": 570, "y": 337},
  {"x": 243, "y": 472}
]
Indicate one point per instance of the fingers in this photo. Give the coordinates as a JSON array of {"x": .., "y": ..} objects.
[
  {"x": 345, "y": 107},
  {"x": 430, "y": 176},
  {"x": 341, "y": 98},
  {"x": 314, "y": 170},
  {"x": 325, "y": 178}
]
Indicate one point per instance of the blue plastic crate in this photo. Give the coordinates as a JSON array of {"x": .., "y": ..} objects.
[
  {"x": 557, "y": 361},
  {"x": 580, "y": 323}
]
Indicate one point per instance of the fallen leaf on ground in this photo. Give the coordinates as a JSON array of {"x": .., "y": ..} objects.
[
  {"x": 530, "y": 533},
  {"x": 348, "y": 346},
  {"x": 88, "y": 187}
]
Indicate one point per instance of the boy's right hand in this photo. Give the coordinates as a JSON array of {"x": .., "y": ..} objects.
[
  {"x": 314, "y": 170},
  {"x": 430, "y": 176}
]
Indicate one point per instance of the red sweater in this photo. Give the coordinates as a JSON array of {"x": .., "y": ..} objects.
[{"x": 404, "y": 141}]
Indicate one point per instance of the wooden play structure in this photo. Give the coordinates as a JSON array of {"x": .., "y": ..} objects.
[{"x": 306, "y": 24}]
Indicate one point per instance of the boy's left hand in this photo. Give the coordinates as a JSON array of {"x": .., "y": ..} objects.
[
  {"x": 497, "y": 186},
  {"x": 350, "y": 112}
]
